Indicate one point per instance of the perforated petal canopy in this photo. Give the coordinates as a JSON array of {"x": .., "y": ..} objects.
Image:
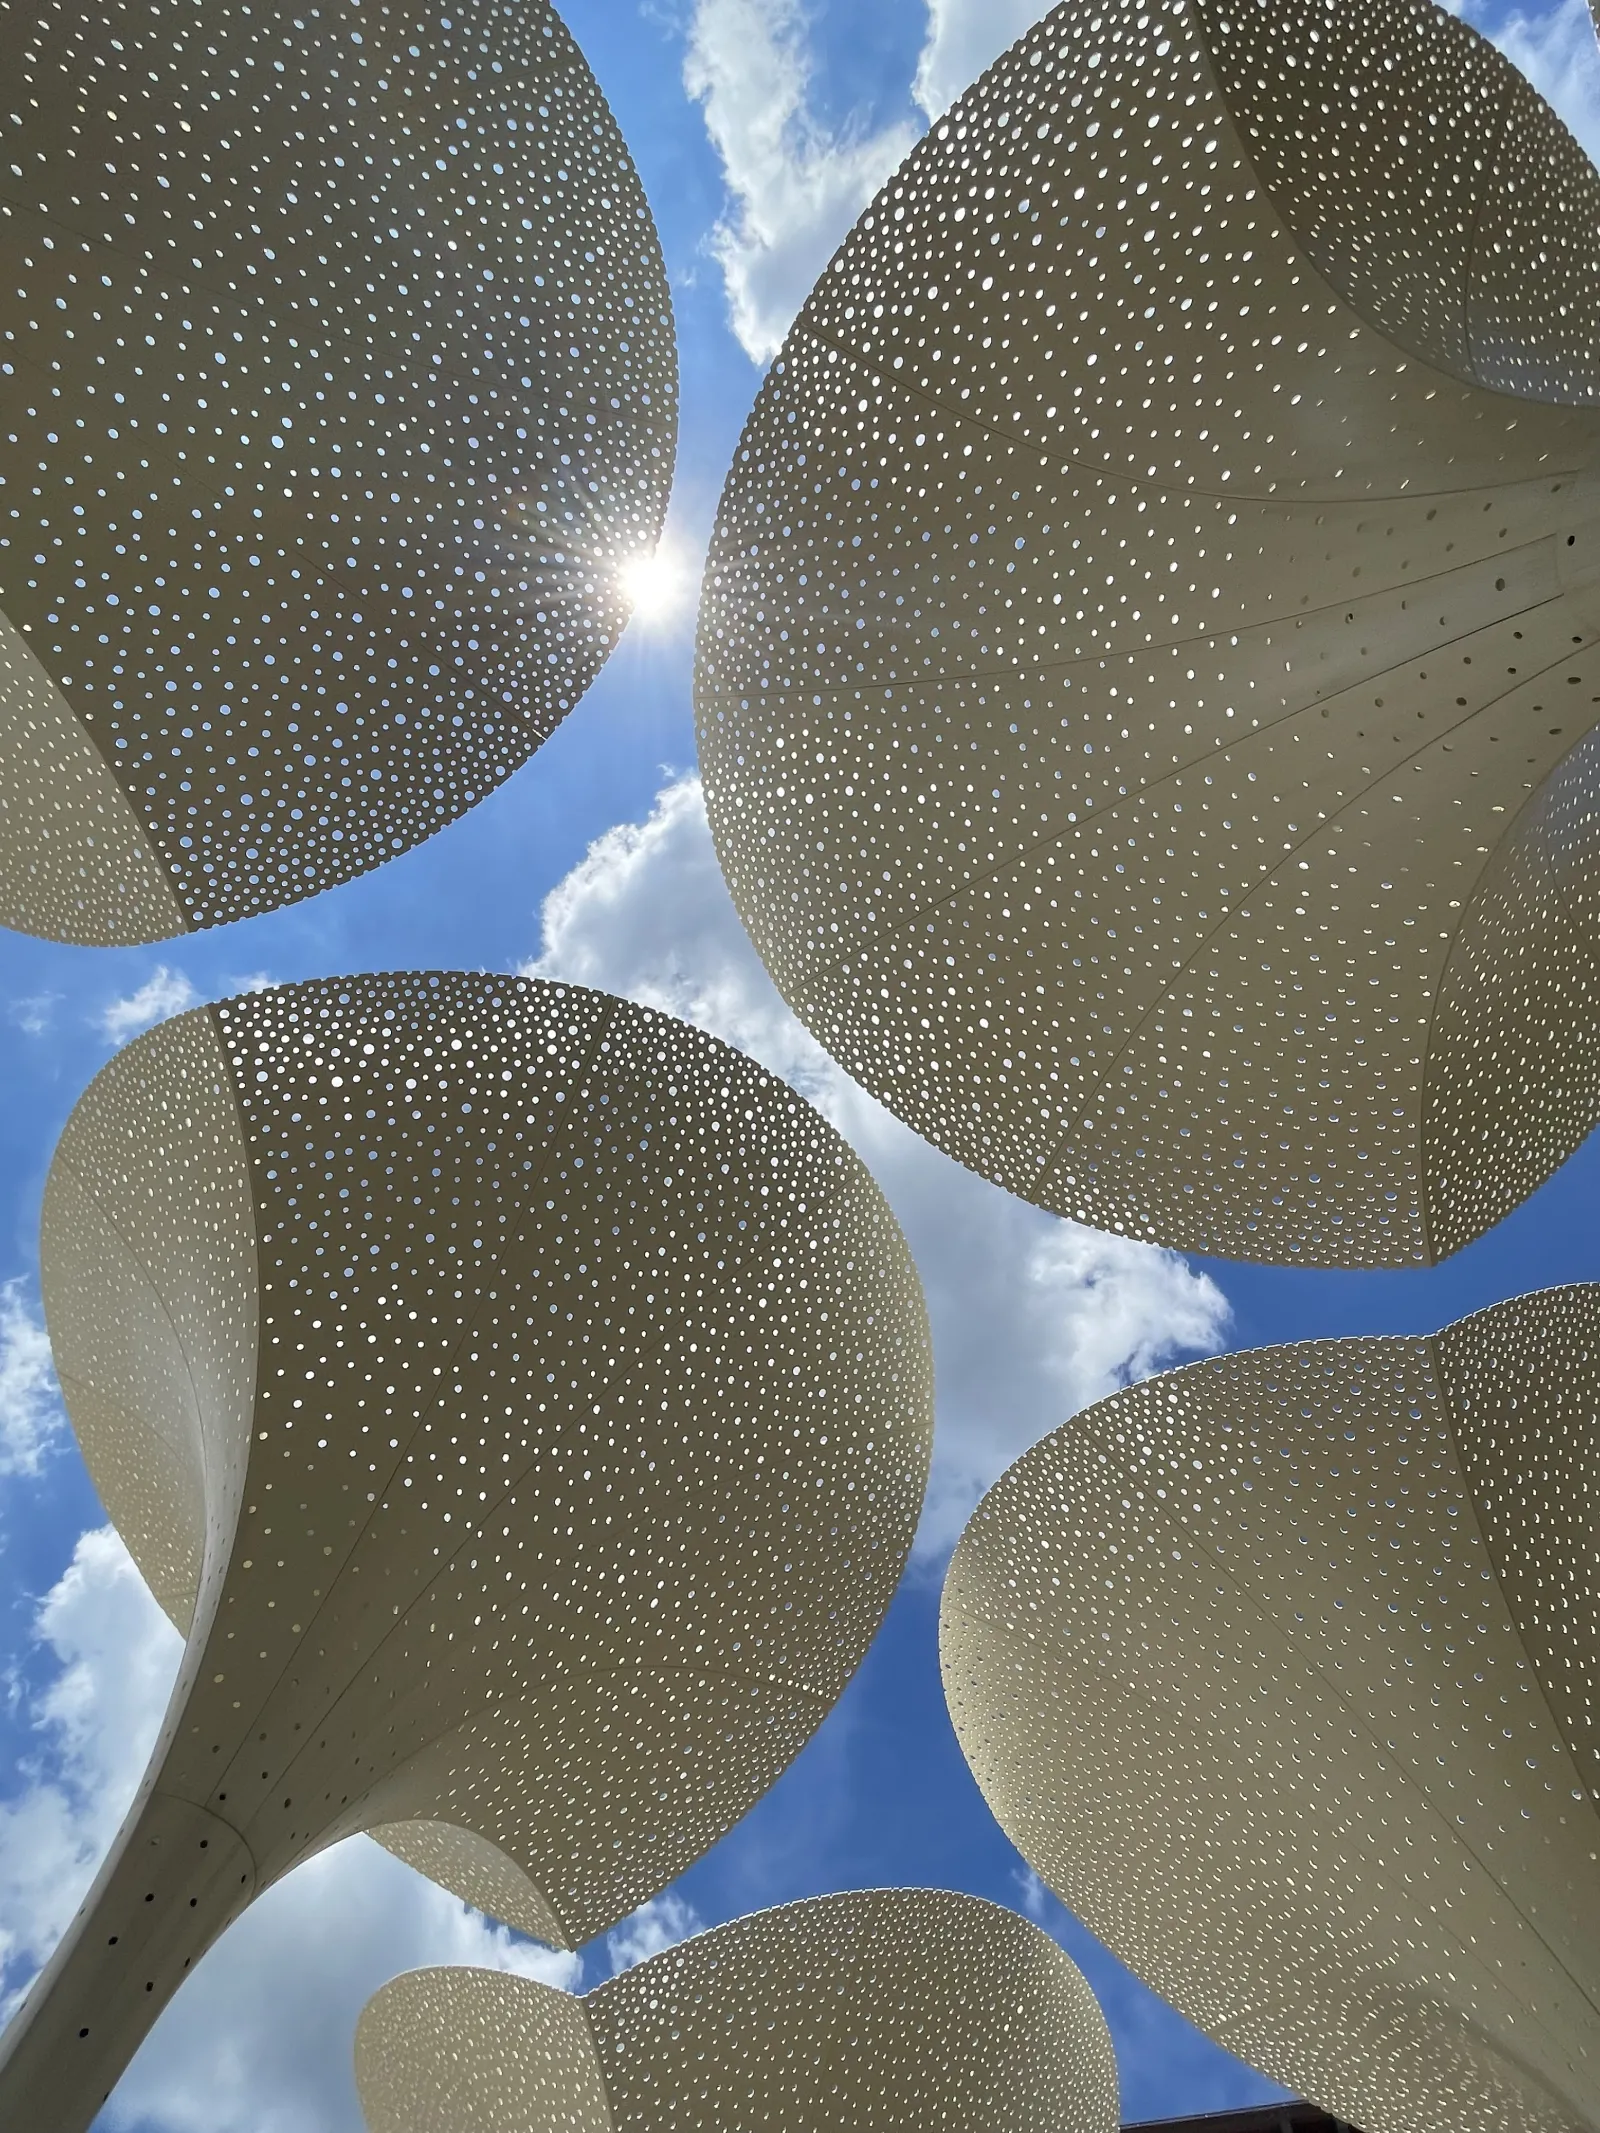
[
  {"x": 1281, "y": 1670},
  {"x": 1147, "y": 672},
  {"x": 884, "y": 2011},
  {"x": 523, "y": 1403},
  {"x": 337, "y": 393}
]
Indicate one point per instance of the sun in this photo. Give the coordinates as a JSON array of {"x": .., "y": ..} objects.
[{"x": 655, "y": 585}]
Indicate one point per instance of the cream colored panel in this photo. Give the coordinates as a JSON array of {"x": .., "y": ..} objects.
[
  {"x": 892, "y": 2008},
  {"x": 553, "y": 1534},
  {"x": 1481, "y": 259},
  {"x": 75, "y": 863},
  {"x": 1142, "y": 706},
  {"x": 1236, "y": 1663},
  {"x": 1522, "y": 1384},
  {"x": 591, "y": 1426},
  {"x": 474, "y": 1869},
  {"x": 475, "y": 2051},
  {"x": 1508, "y": 1019},
  {"x": 149, "y": 1274},
  {"x": 651, "y": 1760},
  {"x": 887, "y": 2011},
  {"x": 119, "y": 1951},
  {"x": 339, "y": 391}
]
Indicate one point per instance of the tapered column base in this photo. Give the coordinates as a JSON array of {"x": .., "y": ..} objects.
[{"x": 176, "y": 1877}]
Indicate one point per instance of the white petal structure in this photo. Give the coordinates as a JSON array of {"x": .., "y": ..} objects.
[
  {"x": 1147, "y": 667},
  {"x": 1282, "y": 1671},
  {"x": 521, "y": 1400},
  {"x": 338, "y": 395},
  {"x": 887, "y": 2011}
]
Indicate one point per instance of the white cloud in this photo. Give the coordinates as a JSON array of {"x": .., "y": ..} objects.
[
  {"x": 795, "y": 185},
  {"x": 964, "y": 37},
  {"x": 257, "y": 981},
  {"x": 33, "y": 1013},
  {"x": 30, "y": 1404},
  {"x": 660, "y": 1923},
  {"x": 165, "y": 992},
  {"x": 95, "y": 1721},
  {"x": 1556, "y": 49},
  {"x": 259, "y": 2039},
  {"x": 1032, "y": 1317},
  {"x": 1032, "y": 1894}
]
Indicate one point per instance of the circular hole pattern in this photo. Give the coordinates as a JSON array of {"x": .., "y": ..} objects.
[
  {"x": 1281, "y": 1669},
  {"x": 337, "y": 395},
  {"x": 543, "y": 1449},
  {"x": 873, "y": 2011},
  {"x": 1129, "y": 681}
]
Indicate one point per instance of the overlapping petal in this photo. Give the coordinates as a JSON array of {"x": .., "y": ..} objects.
[
  {"x": 1147, "y": 666},
  {"x": 868, "y": 2012},
  {"x": 1280, "y": 1669},
  {"x": 523, "y": 1403},
  {"x": 340, "y": 397}
]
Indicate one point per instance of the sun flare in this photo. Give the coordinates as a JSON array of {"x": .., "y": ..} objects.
[{"x": 655, "y": 585}]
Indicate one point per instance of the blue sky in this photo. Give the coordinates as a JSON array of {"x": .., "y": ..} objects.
[{"x": 760, "y": 129}]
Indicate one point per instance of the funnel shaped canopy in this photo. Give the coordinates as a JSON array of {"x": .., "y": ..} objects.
[
  {"x": 523, "y": 1402},
  {"x": 1147, "y": 666},
  {"x": 341, "y": 387},
  {"x": 889, "y": 2011},
  {"x": 1281, "y": 1670}
]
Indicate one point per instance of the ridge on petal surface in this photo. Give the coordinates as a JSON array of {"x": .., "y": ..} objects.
[
  {"x": 877, "y": 2011},
  {"x": 523, "y": 1402},
  {"x": 1280, "y": 1670},
  {"x": 340, "y": 403},
  {"x": 1150, "y": 644}
]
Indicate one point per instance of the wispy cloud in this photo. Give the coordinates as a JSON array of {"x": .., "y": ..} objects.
[
  {"x": 34, "y": 1013},
  {"x": 1556, "y": 48},
  {"x": 30, "y": 1404},
  {"x": 1032, "y": 1317},
  {"x": 794, "y": 184},
  {"x": 1032, "y": 1894},
  {"x": 660, "y": 1923},
  {"x": 964, "y": 37},
  {"x": 165, "y": 992}
]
